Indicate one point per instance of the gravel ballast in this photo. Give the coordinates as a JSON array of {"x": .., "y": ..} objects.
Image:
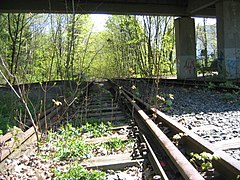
[{"x": 213, "y": 115}]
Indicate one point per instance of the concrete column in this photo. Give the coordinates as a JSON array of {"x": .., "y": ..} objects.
[
  {"x": 185, "y": 48},
  {"x": 228, "y": 38}
]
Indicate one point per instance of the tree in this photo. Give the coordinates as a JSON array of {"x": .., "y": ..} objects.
[
  {"x": 141, "y": 45},
  {"x": 206, "y": 43},
  {"x": 18, "y": 29}
]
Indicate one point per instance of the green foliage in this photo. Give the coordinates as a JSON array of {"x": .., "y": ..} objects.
[
  {"x": 231, "y": 97},
  {"x": 204, "y": 158},
  {"x": 12, "y": 110},
  {"x": 165, "y": 101},
  {"x": 229, "y": 84},
  {"x": 9, "y": 108},
  {"x": 211, "y": 86},
  {"x": 80, "y": 173},
  {"x": 116, "y": 144},
  {"x": 97, "y": 129},
  {"x": 135, "y": 90},
  {"x": 68, "y": 144},
  {"x": 140, "y": 45},
  {"x": 68, "y": 47}
]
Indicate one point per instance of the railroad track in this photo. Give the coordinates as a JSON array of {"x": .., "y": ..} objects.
[
  {"x": 152, "y": 132},
  {"x": 226, "y": 166},
  {"x": 219, "y": 85}
]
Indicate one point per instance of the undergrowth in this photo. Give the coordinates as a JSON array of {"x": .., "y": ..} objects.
[
  {"x": 12, "y": 111},
  {"x": 69, "y": 145},
  {"x": 10, "y": 107},
  {"x": 116, "y": 144},
  {"x": 97, "y": 129}
]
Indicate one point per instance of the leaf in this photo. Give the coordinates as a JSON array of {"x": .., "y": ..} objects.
[
  {"x": 171, "y": 96},
  {"x": 176, "y": 137},
  {"x": 169, "y": 102},
  {"x": 207, "y": 165},
  {"x": 57, "y": 103},
  {"x": 206, "y": 156},
  {"x": 216, "y": 157},
  {"x": 203, "y": 166},
  {"x": 160, "y": 98}
]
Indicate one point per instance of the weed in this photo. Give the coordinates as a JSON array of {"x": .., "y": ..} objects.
[
  {"x": 231, "y": 97},
  {"x": 165, "y": 101},
  {"x": 211, "y": 86},
  {"x": 97, "y": 129},
  {"x": 204, "y": 158},
  {"x": 81, "y": 173},
  {"x": 68, "y": 144},
  {"x": 117, "y": 144},
  {"x": 9, "y": 105},
  {"x": 12, "y": 111},
  {"x": 135, "y": 90},
  {"x": 177, "y": 138},
  {"x": 229, "y": 84}
]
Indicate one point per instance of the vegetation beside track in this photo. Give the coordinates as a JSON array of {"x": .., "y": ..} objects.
[
  {"x": 69, "y": 145},
  {"x": 13, "y": 113}
]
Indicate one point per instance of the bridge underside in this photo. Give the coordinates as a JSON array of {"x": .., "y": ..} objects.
[
  {"x": 226, "y": 11},
  {"x": 147, "y": 7}
]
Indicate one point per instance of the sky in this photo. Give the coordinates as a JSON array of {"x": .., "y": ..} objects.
[
  {"x": 210, "y": 21},
  {"x": 99, "y": 21}
]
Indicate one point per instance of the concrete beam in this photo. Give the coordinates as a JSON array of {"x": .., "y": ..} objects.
[
  {"x": 185, "y": 48},
  {"x": 197, "y": 5},
  {"x": 115, "y": 7},
  {"x": 164, "y": 7}
]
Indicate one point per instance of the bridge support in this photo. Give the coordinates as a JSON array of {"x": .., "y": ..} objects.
[
  {"x": 228, "y": 38},
  {"x": 185, "y": 48}
]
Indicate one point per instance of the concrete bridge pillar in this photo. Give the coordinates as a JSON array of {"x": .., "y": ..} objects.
[
  {"x": 185, "y": 48},
  {"x": 228, "y": 38}
]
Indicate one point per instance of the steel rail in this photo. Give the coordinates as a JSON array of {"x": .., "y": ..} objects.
[
  {"x": 182, "y": 164},
  {"x": 154, "y": 161},
  {"x": 217, "y": 85},
  {"x": 227, "y": 166}
]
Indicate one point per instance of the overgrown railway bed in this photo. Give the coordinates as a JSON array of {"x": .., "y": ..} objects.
[{"x": 150, "y": 144}]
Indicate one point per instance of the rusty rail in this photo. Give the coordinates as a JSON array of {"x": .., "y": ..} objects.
[
  {"x": 183, "y": 165},
  {"x": 227, "y": 166}
]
